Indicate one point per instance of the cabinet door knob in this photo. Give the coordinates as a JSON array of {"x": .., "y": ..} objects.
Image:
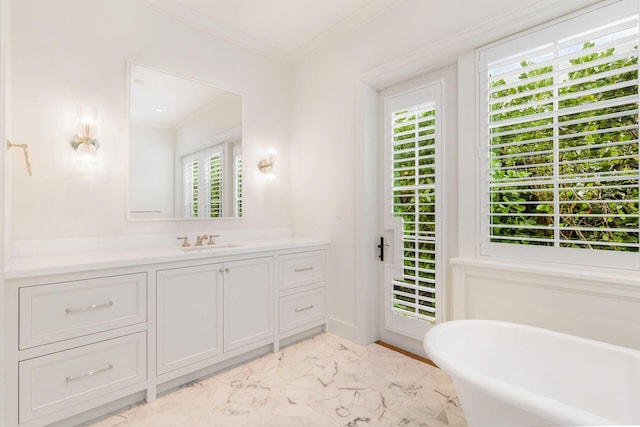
[{"x": 227, "y": 270}]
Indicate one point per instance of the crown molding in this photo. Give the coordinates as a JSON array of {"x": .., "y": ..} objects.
[
  {"x": 215, "y": 28},
  {"x": 534, "y": 13},
  {"x": 357, "y": 19},
  {"x": 206, "y": 24},
  {"x": 446, "y": 50}
]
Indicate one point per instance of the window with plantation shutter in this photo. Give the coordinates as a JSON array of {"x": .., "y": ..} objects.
[
  {"x": 213, "y": 181},
  {"x": 237, "y": 180},
  {"x": 190, "y": 182},
  {"x": 559, "y": 140},
  {"x": 203, "y": 183},
  {"x": 414, "y": 201}
]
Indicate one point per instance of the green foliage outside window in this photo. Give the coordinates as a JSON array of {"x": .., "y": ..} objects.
[
  {"x": 414, "y": 201},
  {"x": 238, "y": 188},
  {"x": 592, "y": 151},
  {"x": 194, "y": 186},
  {"x": 215, "y": 186}
]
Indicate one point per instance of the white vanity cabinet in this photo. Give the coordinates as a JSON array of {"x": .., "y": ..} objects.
[
  {"x": 84, "y": 339},
  {"x": 80, "y": 342},
  {"x": 205, "y": 310},
  {"x": 302, "y": 291}
]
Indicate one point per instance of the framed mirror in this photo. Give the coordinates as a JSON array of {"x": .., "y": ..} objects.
[{"x": 185, "y": 148}]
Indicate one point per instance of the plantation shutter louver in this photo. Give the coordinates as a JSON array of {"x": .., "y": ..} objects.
[
  {"x": 560, "y": 109},
  {"x": 413, "y": 174}
]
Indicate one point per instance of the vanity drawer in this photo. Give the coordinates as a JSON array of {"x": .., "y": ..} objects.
[
  {"x": 302, "y": 269},
  {"x": 56, "y": 381},
  {"x": 54, "y": 312},
  {"x": 302, "y": 308}
]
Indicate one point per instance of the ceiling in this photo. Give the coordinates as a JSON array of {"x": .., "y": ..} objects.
[
  {"x": 165, "y": 99},
  {"x": 282, "y": 28}
]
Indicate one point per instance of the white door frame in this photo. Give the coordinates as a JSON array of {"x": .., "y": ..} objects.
[
  {"x": 368, "y": 134},
  {"x": 4, "y": 223},
  {"x": 427, "y": 88}
]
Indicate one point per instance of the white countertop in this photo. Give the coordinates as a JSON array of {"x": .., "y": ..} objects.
[{"x": 30, "y": 266}]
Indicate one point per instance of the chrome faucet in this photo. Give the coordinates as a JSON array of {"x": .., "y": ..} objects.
[{"x": 200, "y": 239}]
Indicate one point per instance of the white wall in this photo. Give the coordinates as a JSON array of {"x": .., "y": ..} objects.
[
  {"x": 71, "y": 52},
  {"x": 213, "y": 124},
  {"x": 333, "y": 131}
]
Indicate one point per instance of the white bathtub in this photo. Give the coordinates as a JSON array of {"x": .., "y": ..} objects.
[{"x": 507, "y": 374}]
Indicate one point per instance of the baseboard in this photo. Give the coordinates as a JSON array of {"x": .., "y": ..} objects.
[{"x": 342, "y": 329}]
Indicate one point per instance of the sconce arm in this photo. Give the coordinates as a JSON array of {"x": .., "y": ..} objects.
[{"x": 25, "y": 151}]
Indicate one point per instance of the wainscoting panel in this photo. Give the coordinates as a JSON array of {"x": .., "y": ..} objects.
[{"x": 600, "y": 305}]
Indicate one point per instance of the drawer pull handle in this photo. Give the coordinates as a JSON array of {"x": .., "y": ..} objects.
[
  {"x": 91, "y": 307},
  {"x": 303, "y": 269},
  {"x": 88, "y": 374},
  {"x": 309, "y": 307}
]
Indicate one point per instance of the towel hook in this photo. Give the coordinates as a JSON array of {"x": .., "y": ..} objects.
[{"x": 25, "y": 150}]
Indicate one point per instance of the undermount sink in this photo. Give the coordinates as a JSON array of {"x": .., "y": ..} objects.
[{"x": 205, "y": 248}]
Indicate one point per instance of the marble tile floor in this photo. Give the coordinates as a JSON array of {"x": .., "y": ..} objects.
[{"x": 322, "y": 381}]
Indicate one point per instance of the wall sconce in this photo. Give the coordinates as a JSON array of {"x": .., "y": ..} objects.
[
  {"x": 266, "y": 165},
  {"x": 84, "y": 142}
]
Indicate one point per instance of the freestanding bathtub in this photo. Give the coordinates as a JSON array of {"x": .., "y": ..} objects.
[{"x": 508, "y": 374}]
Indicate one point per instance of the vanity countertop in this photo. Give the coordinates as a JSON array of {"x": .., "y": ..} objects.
[{"x": 30, "y": 266}]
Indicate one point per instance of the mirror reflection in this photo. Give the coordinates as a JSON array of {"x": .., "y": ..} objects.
[{"x": 185, "y": 155}]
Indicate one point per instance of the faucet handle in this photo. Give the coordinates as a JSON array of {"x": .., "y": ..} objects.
[
  {"x": 185, "y": 242},
  {"x": 211, "y": 242}
]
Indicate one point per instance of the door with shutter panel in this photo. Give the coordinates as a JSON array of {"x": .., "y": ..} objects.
[{"x": 412, "y": 209}]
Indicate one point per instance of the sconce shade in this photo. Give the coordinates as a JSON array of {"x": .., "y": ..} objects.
[
  {"x": 86, "y": 151},
  {"x": 266, "y": 165},
  {"x": 84, "y": 141}
]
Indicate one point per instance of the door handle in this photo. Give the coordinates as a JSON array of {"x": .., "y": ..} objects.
[{"x": 381, "y": 247}]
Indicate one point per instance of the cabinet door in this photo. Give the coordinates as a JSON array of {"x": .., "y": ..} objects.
[
  {"x": 248, "y": 302},
  {"x": 189, "y": 315}
]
